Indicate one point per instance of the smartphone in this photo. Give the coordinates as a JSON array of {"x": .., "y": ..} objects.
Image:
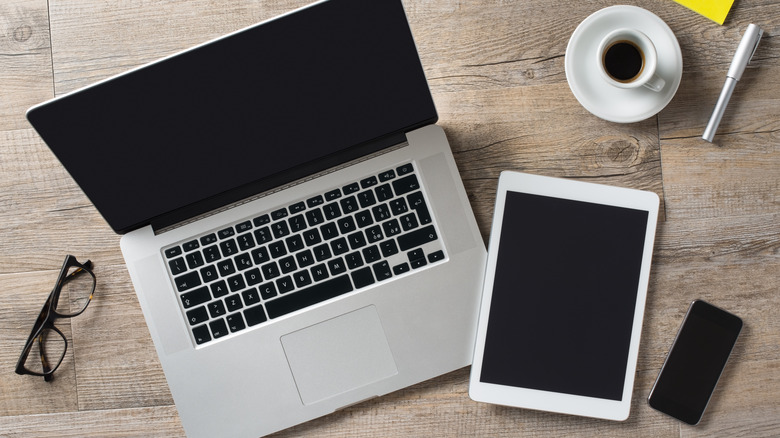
[{"x": 695, "y": 362}]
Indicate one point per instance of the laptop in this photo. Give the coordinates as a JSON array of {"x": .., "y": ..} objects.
[{"x": 293, "y": 221}]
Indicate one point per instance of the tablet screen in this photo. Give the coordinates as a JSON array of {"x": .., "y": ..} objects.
[{"x": 567, "y": 276}]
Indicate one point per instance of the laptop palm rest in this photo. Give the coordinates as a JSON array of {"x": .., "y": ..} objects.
[{"x": 339, "y": 355}]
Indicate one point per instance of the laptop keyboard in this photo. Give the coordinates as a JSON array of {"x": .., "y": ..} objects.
[{"x": 341, "y": 240}]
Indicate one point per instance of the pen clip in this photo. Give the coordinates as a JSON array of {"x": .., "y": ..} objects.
[{"x": 755, "y": 43}]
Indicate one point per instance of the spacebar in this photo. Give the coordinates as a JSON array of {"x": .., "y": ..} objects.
[{"x": 309, "y": 296}]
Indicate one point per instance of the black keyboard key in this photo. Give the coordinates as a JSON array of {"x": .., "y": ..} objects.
[
  {"x": 371, "y": 181},
  {"x": 381, "y": 212},
  {"x": 305, "y": 258},
  {"x": 267, "y": 291},
  {"x": 285, "y": 284},
  {"x": 209, "y": 273},
  {"x": 337, "y": 266},
  {"x": 244, "y": 226},
  {"x": 416, "y": 238},
  {"x": 331, "y": 211},
  {"x": 187, "y": 281},
  {"x": 317, "y": 293},
  {"x": 297, "y": 223},
  {"x": 366, "y": 199},
  {"x": 405, "y": 169},
  {"x": 312, "y": 237},
  {"x": 409, "y": 222},
  {"x": 191, "y": 245},
  {"x": 363, "y": 277},
  {"x": 245, "y": 241},
  {"x": 219, "y": 289},
  {"x": 216, "y": 309},
  {"x": 261, "y": 220},
  {"x": 383, "y": 192},
  {"x": 228, "y": 248},
  {"x": 177, "y": 266},
  {"x": 391, "y": 228},
  {"x": 388, "y": 248},
  {"x": 374, "y": 234},
  {"x": 315, "y": 217},
  {"x": 236, "y": 283},
  {"x": 382, "y": 271},
  {"x": 287, "y": 265},
  {"x": 387, "y": 175},
  {"x": 339, "y": 246},
  {"x": 277, "y": 249},
  {"x": 356, "y": 240},
  {"x": 233, "y": 303},
  {"x": 278, "y": 214},
  {"x": 315, "y": 201},
  {"x": 260, "y": 255},
  {"x": 263, "y": 235},
  {"x": 270, "y": 270},
  {"x": 400, "y": 269},
  {"x": 227, "y": 232},
  {"x": 226, "y": 267},
  {"x": 319, "y": 272},
  {"x": 329, "y": 231},
  {"x": 333, "y": 194},
  {"x": 398, "y": 206},
  {"x": 417, "y": 203},
  {"x": 322, "y": 252},
  {"x": 436, "y": 256},
  {"x": 371, "y": 254},
  {"x": 406, "y": 184},
  {"x": 251, "y": 296},
  {"x": 416, "y": 254},
  {"x": 350, "y": 188},
  {"x": 212, "y": 254},
  {"x": 419, "y": 263},
  {"x": 302, "y": 278},
  {"x": 255, "y": 315},
  {"x": 218, "y": 328},
  {"x": 347, "y": 225},
  {"x": 235, "y": 322},
  {"x": 294, "y": 243},
  {"x": 194, "y": 260},
  {"x": 173, "y": 252},
  {"x": 280, "y": 229},
  {"x": 243, "y": 261},
  {"x": 363, "y": 218},
  {"x": 297, "y": 207},
  {"x": 201, "y": 334},
  {"x": 353, "y": 260},
  {"x": 253, "y": 277},
  {"x": 349, "y": 205},
  {"x": 197, "y": 316},
  {"x": 195, "y": 297},
  {"x": 208, "y": 239}
]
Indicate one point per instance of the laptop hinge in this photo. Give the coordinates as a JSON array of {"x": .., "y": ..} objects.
[{"x": 160, "y": 226}]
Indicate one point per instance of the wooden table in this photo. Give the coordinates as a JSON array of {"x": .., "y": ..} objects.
[{"x": 496, "y": 70}]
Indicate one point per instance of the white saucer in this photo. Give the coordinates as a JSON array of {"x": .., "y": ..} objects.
[{"x": 599, "y": 97}]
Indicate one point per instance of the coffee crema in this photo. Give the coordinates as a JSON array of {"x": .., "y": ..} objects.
[{"x": 623, "y": 61}]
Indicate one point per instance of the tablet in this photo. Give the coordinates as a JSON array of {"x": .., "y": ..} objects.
[{"x": 564, "y": 296}]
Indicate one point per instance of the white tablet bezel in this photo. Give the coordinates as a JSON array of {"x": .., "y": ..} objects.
[{"x": 554, "y": 401}]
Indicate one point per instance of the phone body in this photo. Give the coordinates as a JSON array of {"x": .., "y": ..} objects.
[{"x": 695, "y": 362}]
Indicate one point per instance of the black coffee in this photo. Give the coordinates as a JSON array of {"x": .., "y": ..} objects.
[{"x": 623, "y": 61}]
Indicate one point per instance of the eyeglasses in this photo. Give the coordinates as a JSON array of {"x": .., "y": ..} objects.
[{"x": 46, "y": 346}]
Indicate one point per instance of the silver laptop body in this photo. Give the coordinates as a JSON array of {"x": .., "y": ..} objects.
[{"x": 241, "y": 355}]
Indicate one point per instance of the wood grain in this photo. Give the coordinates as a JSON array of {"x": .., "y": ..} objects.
[{"x": 496, "y": 71}]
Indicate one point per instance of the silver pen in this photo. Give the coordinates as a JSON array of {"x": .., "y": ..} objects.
[{"x": 747, "y": 47}]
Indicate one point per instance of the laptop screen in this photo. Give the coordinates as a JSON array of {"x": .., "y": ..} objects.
[{"x": 242, "y": 114}]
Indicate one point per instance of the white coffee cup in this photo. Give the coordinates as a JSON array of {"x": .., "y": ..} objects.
[{"x": 627, "y": 59}]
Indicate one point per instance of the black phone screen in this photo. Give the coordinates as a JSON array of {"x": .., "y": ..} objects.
[{"x": 695, "y": 362}]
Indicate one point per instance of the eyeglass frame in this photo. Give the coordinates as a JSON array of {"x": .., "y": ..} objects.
[{"x": 49, "y": 314}]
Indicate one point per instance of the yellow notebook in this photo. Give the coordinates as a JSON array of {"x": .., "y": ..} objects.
[{"x": 715, "y": 10}]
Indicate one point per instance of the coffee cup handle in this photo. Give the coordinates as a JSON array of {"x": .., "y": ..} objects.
[{"x": 655, "y": 83}]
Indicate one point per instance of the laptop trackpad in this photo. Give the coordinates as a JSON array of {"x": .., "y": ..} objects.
[{"x": 339, "y": 355}]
